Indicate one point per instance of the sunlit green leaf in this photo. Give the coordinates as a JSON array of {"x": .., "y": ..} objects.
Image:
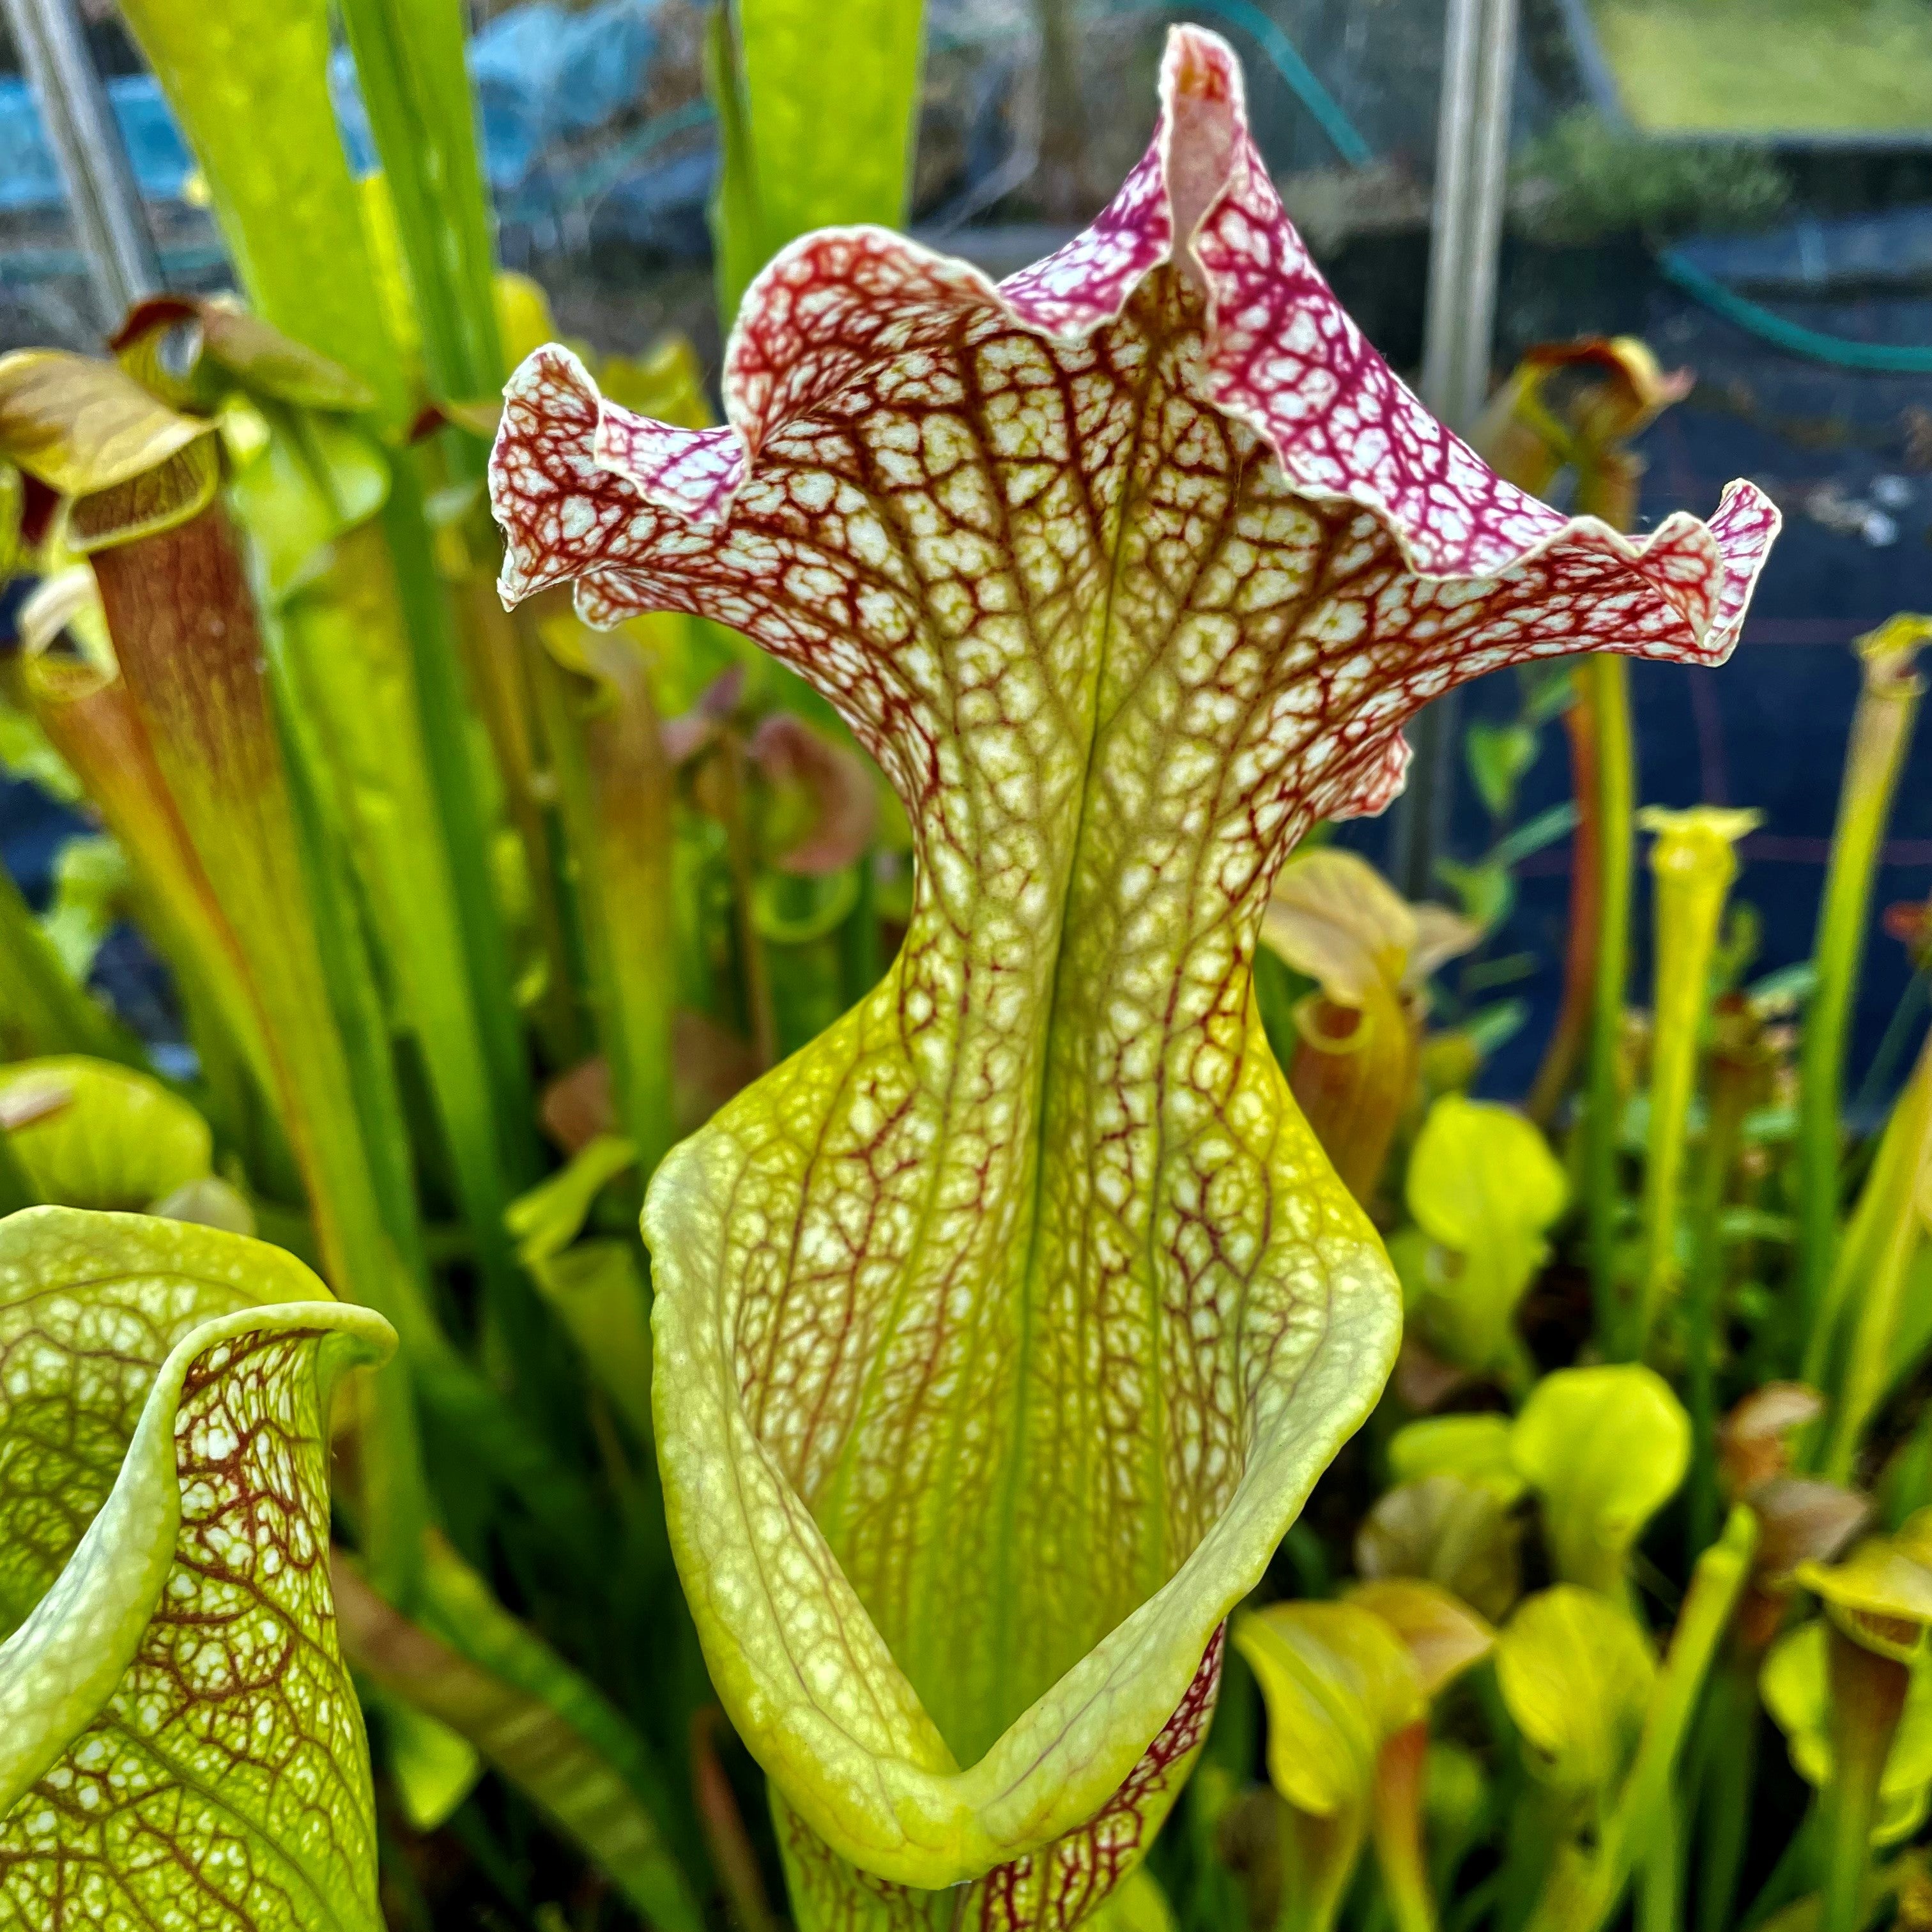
[
  {"x": 783, "y": 177},
  {"x": 42, "y": 1011},
  {"x": 25, "y": 753},
  {"x": 1475, "y": 1448},
  {"x": 248, "y": 80},
  {"x": 410, "y": 66},
  {"x": 95, "y": 1135},
  {"x": 1339, "y": 1682},
  {"x": 434, "y": 1767},
  {"x": 1576, "y": 1671},
  {"x": 91, "y": 880},
  {"x": 1484, "y": 1186},
  {"x": 1498, "y": 756},
  {"x": 547, "y": 1219},
  {"x": 666, "y": 383},
  {"x": 1869, "y": 1298},
  {"x": 313, "y": 481},
  {"x": 597, "y": 1288},
  {"x": 1445, "y": 1637},
  {"x": 1604, "y": 1448},
  {"x": 175, "y": 1723},
  {"x": 1455, "y": 1794},
  {"x": 1487, "y": 891},
  {"x": 14, "y": 547},
  {"x": 524, "y": 321}
]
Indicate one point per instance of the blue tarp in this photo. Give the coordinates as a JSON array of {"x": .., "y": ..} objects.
[
  {"x": 541, "y": 76},
  {"x": 29, "y": 180}
]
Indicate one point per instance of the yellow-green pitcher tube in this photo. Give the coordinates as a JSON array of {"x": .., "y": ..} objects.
[
  {"x": 1881, "y": 731},
  {"x": 1693, "y": 863}
]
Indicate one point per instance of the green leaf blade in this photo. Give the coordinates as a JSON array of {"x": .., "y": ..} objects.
[
  {"x": 783, "y": 177},
  {"x": 1605, "y": 1448},
  {"x": 92, "y": 1134}
]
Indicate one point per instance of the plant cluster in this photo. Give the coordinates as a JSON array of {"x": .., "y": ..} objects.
[
  {"x": 861, "y": 840},
  {"x": 1584, "y": 180}
]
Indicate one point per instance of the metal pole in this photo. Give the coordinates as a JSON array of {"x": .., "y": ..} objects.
[
  {"x": 1471, "y": 170},
  {"x": 101, "y": 193}
]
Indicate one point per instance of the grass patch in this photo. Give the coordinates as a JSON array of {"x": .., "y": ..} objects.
[{"x": 1762, "y": 66}]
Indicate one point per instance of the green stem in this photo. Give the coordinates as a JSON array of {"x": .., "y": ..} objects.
[
  {"x": 1319, "y": 1859},
  {"x": 445, "y": 718},
  {"x": 1908, "y": 1477},
  {"x": 409, "y": 61},
  {"x": 1887, "y": 1229},
  {"x": 1636, "y": 1827},
  {"x": 193, "y": 655},
  {"x": 1881, "y": 730},
  {"x": 1660, "y": 1886},
  {"x": 471, "y": 1665},
  {"x": 1397, "y": 1825},
  {"x": 615, "y": 790},
  {"x": 42, "y": 1011},
  {"x": 16, "y": 1190},
  {"x": 1604, "y": 683},
  {"x": 1729, "y": 1724},
  {"x": 761, "y": 1008},
  {"x": 500, "y": 649},
  {"x": 1579, "y": 959},
  {"x": 859, "y": 939},
  {"x": 348, "y": 975},
  {"x": 1730, "y": 1099},
  {"x": 1906, "y": 1017},
  {"x": 350, "y": 691},
  {"x": 1867, "y": 1699},
  {"x": 733, "y": 1857},
  {"x": 1791, "y": 1875}
]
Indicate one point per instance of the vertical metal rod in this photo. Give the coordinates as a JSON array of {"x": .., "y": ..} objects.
[
  {"x": 1449, "y": 262},
  {"x": 1471, "y": 165},
  {"x": 101, "y": 192}
]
